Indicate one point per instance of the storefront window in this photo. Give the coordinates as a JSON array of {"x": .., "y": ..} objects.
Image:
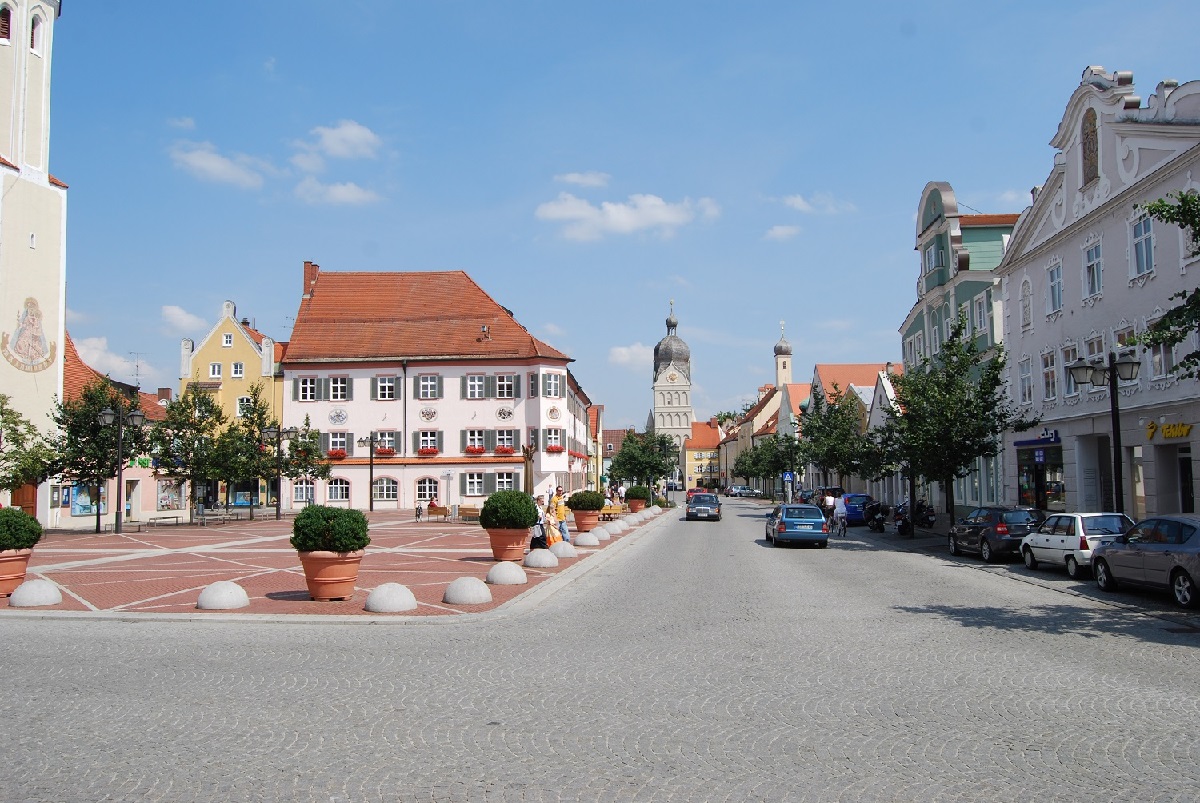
[{"x": 1040, "y": 478}]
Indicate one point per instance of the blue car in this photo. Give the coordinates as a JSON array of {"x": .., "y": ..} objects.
[
  {"x": 800, "y": 524},
  {"x": 855, "y": 504}
]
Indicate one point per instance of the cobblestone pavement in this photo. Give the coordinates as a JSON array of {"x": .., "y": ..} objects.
[{"x": 696, "y": 663}]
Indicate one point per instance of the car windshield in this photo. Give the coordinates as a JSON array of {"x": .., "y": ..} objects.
[
  {"x": 1106, "y": 525},
  {"x": 802, "y": 512},
  {"x": 1020, "y": 517},
  {"x": 704, "y": 499},
  {"x": 856, "y": 499}
]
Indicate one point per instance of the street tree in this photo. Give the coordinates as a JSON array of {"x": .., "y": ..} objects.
[
  {"x": 184, "y": 443},
  {"x": 25, "y": 455},
  {"x": 644, "y": 457},
  {"x": 241, "y": 453},
  {"x": 86, "y": 450},
  {"x": 951, "y": 409},
  {"x": 833, "y": 434},
  {"x": 305, "y": 460},
  {"x": 1181, "y": 209}
]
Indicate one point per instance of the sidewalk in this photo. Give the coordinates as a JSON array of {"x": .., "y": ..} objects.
[{"x": 163, "y": 570}]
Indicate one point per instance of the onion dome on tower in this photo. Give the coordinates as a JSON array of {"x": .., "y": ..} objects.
[{"x": 671, "y": 349}]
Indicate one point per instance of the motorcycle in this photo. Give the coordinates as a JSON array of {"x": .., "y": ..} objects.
[
  {"x": 901, "y": 520},
  {"x": 876, "y": 515},
  {"x": 924, "y": 515}
]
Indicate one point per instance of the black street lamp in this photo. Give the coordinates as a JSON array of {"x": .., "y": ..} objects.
[
  {"x": 1096, "y": 373},
  {"x": 370, "y": 441},
  {"x": 273, "y": 435},
  {"x": 133, "y": 418}
]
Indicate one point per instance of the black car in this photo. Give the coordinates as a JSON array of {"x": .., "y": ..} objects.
[{"x": 992, "y": 532}]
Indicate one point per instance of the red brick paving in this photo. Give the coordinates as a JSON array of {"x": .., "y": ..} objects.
[{"x": 163, "y": 570}]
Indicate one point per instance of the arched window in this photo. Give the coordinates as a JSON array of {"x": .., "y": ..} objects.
[
  {"x": 339, "y": 490},
  {"x": 5, "y": 23},
  {"x": 1026, "y": 304},
  {"x": 385, "y": 488},
  {"x": 427, "y": 488},
  {"x": 302, "y": 491},
  {"x": 35, "y": 34},
  {"x": 1089, "y": 141}
]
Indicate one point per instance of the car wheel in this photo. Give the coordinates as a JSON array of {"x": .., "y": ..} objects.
[
  {"x": 1184, "y": 589},
  {"x": 1030, "y": 560},
  {"x": 823, "y": 544},
  {"x": 954, "y": 546},
  {"x": 1104, "y": 577},
  {"x": 1074, "y": 570},
  {"x": 776, "y": 543},
  {"x": 985, "y": 551},
  {"x": 769, "y": 538}
]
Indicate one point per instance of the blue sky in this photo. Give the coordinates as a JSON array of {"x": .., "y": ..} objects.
[{"x": 586, "y": 164}]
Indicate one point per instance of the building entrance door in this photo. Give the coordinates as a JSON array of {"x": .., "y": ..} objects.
[{"x": 25, "y": 498}]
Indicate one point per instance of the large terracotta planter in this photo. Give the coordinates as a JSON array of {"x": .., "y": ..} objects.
[
  {"x": 586, "y": 519},
  {"x": 331, "y": 575},
  {"x": 636, "y": 505},
  {"x": 508, "y": 544},
  {"x": 13, "y": 563}
]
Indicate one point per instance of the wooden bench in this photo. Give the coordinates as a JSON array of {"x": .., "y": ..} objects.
[
  {"x": 468, "y": 513},
  {"x": 441, "y": 512},
  {"x": 610, "y": 512}
]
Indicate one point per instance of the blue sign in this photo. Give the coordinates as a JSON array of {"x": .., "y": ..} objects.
[
  {"x": 1039, "y": 455},
  {"x": 788, "y": 476}
]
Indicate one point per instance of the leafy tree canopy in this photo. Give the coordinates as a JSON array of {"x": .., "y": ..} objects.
[{"x": 25, "y": 454}]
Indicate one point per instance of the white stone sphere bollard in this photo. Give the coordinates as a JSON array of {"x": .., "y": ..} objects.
[
  {"x": 507, "y": 573},
  {"x": 223, "y": 595},
  {"x": 563, "y": 549},
  {"x": 391, "y": 598},
  {"x": 601, "y": 533},
  {"x": 467, "y": 591},
  {"x": 617, "y": 527},
  {"x": 34, "y": 594},
  {"x": 586, "y": 539},
  {"x": 541, "y": 559}
]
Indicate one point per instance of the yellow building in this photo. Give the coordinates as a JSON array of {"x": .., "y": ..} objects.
[
  {"x": 702, "y": 455},
  {"x": 232, "y": 357}
]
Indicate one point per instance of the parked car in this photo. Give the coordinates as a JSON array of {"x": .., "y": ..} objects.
[
  {"x": 1161, "y": 552},
  {"x": 1067, "y": 539},
  {"x": 991, "y": 532},
  {"x": 741, "y": 490},
  {"x": 855, "y": 504},
  {"x": 703, "y": 506},
  {"x": 802, "y": 524}
]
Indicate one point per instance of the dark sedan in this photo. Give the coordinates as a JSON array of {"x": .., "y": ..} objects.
[
  {"x": 703, "y": 506},
  {"x": 992, "y": 532}
]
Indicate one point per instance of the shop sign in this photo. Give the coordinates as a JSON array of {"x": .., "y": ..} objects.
[{"x": 1168, "y": 430}]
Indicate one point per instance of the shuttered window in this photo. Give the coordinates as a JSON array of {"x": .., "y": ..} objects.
[{"x": 5, "y": 23}]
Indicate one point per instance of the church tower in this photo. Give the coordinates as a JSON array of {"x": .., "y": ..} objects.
[
  {"x": 783, "y": 360},
  {"x": 672, "y": 410},
  {"x": 32, "y": 223}
]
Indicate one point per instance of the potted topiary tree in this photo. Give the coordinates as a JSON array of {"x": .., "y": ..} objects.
[
  {"x": 331, "y": 542},
  {"x": 507, "y": 517},
  {"x": 18, "y": 533},
  {"x": 637, "y": 497},
  {"x": 586, "y": 506}
]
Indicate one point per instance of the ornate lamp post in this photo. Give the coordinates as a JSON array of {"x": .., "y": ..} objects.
[
  {"x": 133, "y": 418},
  {"x": 274, "y": 436},
  {"x": 371, "y": 441},
  {"x": 1097, "y": 373}
]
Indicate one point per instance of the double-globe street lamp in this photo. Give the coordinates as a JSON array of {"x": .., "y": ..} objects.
[
  {"x": 1097, "y": 372},
  {"x": 274, "y": 436},
  {"x": 370, "y": 441},
  {"x": 133, "y": 418}
]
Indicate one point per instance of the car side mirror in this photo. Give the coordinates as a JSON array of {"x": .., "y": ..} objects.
[
  {"x": 1124, "y": 539},
  {"x": 962, "y": 521}
]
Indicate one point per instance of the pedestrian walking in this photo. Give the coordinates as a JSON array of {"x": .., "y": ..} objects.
[{"x": 559, "y": 503}]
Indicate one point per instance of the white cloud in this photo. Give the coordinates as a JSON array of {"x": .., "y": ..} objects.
[
  {"x": 309, "y": 161},
  {"x": 553, "y": 330},
  {"x": 347, "y": 140},
  {"x": 592, "y": 178},
  {"x": 637, "y": 357},
  {"x": 94, "y": 351},
  {"x": 346, "y": 193},
  {"x": 75, "y": 317},
  {"x": 269, "y": 65},
  {"x": 202, "y": 161},
  {"x": 1014, "y": 198},
  {"x": 819, "y": 203},
  {"x": 641, "y": 212},
  {"x": 180, "y": 321},
  {"x": 781, "y": 232},
  {"x": 185, "y": 123}
]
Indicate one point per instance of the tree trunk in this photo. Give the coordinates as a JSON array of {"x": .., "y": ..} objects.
[{"x": 948, "y": 487}]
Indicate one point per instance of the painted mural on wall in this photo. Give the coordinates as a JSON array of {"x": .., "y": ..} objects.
[{"x": 27, "y": 348}]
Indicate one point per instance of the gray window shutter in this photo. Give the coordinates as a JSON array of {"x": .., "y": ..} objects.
[
  {"x": 462, "y": 484},
  {"x": 324, "y": 441},
  {"x": 441, "y": 445},
  {"x": 349, "y": 444},
  {"x": 416, "y": 439},
  {"x": 349, "y": 388},
  {"x": 462, "y": 440},
  {"x": 489, "y": 439},
  {"x": 489, "y": 387},
  {"x": 516, "y": 387},
  {"x": 545, "y": 438},
  {"x": 374, "y": 388},
  {"x": 441, "y": 393},
  {"x": 295, "y": 390},
  {"x": 533, "y": 386},
  {"x": 323, "y": 389},
  {"x": 517, "y": 481},
  {"x": 545, "y": 384},
  {"x": 416, "y": 387},
  {"x": 489, "y": 483},
  {"x": 517, "y": 440},
  {"x": 462, "y": 387}
]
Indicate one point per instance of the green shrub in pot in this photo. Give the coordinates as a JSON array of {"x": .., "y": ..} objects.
[
  {"x": 586, "y": 500},
  {"x": 320, "y": 528},
  {"x": 18, "y": 530},
  {"x": 508, "y": 510}
]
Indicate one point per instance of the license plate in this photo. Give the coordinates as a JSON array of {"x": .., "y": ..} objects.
[{"x": 804, "y": 526}]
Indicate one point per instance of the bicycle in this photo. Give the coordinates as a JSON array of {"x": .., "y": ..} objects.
[{"x": 839, "y": 526}]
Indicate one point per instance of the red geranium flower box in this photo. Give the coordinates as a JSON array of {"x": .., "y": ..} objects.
[
  {"x": 427, "y": 451},
  {"x": 474, "y": 450},
  {"x": 556, "y": 449},
  {"x": 337, "y": 454},
  {"x": 385, "y": 451},
  {"x": 505, "y": 450}
]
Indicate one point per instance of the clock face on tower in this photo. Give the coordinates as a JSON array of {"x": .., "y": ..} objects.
[{"x": 671, "y": 377}]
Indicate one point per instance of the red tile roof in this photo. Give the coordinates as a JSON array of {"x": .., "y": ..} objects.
[
  {"x": 704, "y": 436},
  {"x": 988, "y": 220},
  {"x": 356, "y": 316},
  {"x": 860, "y": 375},
  {"x": 77, "y": 375}
]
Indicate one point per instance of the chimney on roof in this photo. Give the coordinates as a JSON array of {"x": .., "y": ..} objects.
[
  {"x": 1033, "y": 193},
  {"x": 164, "y": 394},
  {"x": 245, "y": 321},
  {"x": 311, "y": 271}
]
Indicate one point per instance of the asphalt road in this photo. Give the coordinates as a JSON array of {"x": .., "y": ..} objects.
[{"x": 699, "y": 663}]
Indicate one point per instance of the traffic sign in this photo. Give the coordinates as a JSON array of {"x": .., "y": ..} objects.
[{"x": 788, "y": 476}]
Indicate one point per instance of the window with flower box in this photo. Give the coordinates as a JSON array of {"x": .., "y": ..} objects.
[
  {"x": 473, "y": 441},
  {"x": 385, "y": 441},
  {"x": 427, "y": 442},
  {"x": 506, "y": 441}
]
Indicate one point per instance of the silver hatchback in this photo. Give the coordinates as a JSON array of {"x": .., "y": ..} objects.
[{"x": 1161, "y": 552}]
